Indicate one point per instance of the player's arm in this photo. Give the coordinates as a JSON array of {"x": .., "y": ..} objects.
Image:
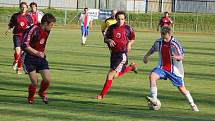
[
  {"x": 108, "y": 37},
  {"x": 131, "y": 39},
  {"x": 11, "y": 24},
  {"x": 149, "y": 53},
  {"x": 34, "y": 52},
  {"x": 103, "y": 27},
  {"x": 91, "y": 23},
  {"x": 159, "y": 24}
]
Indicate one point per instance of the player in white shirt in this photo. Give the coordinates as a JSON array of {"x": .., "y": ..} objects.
[
  {"x": 169, "y": 65},
  {"x": 85, "y": 21},
  {"x": 35, "y": 14}
]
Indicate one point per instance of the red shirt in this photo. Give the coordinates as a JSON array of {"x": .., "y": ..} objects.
[
  {"x": 165, "y": 21},
  {"x": 121, "y": 36},
  {"x": 35, "y": 37},
  {"x": 20, "y": 23},
  {"x": 166, "y": 56}
]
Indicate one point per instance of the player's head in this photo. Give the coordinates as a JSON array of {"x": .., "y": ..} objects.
[
  {"x": 23, "y": 6},
  {"x": 113, "y": 13},
  {"x": 48, "y": 21},
  {"x": 120, "y": 17},
  {"x": 85, "y": 10},
  {"x": 33, "y": 6},
  {"x": 166, "y": 33},
  {"x": 166, "y": 13}
]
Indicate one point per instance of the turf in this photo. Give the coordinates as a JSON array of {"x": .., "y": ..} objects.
[{"x": 78, "y": 74}]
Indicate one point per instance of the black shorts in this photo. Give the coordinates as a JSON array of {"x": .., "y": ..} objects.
[
  {"x": 118, "y": 61},
  {"x": 17, "y": 41},
  {"x": 32, "y": 63}
]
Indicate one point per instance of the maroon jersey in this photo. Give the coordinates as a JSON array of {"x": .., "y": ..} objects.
[
  {"x": 35, "y": 37},
  {"x": 121, "y": 36},
  {"x": 165, "y": 21},
  {"x": 20, "y": 23}
]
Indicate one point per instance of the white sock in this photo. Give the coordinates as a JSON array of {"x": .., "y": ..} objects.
[
  {"x": 84, "y": 40},
  {"x": 189, "y": 98},
  {"x": 154, "y": 92}
]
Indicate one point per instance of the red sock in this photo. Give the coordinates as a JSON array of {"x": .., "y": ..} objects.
[
  {"x": 31, "y": 91},
  {"x": 43, "y": 86},
  {"x": 127, "y": 69},
  {"x": 16, "y": 57},
  {"x": 106, "y": 87},
  {"x": 19, "y": 65}
]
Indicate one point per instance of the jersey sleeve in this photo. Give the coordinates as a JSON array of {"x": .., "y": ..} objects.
[
  {"x": 176, "y": 48},
  {"x": 156, "y": 45},
  {"x": 132, "y": 34},
  {"x": 12, "y": 21},
  {"x": 28, "y": 36}
]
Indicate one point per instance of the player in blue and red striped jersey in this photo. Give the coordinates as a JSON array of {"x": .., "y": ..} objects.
[
  {"x": 34, "y": 60},
  {"x": 164, "y": 21},
  {"x": 169, "y": 65},
  {"x": 19, "y": 22},
  {"x": 35, "y": 13},
  {"x": 119, "y": 38}
]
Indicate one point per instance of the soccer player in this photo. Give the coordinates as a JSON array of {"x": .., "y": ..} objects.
[
  {"x": 35, "y": 14},
  {"x": 164, "y": 21},
  {"x": 19, "y": 22},
  {"x": 34, "y": 58},
  {"x": 119, "y": 38},
  {"x": 109, "y": 21},
  {"x": 85, "y": 21},
  {"x": 169, "y": 66}
]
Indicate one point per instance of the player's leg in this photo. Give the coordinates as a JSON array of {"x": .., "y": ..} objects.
[
  {"x": 17, "y": 54},
  {"x": 189, "y": 98},
  {"x": 131, "y": 67},
  {"x": 32, "y": 86},
  {"x": 44, "y": 84}
]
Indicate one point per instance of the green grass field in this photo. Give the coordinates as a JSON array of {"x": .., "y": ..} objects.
[{"x": 78, "y": 74}]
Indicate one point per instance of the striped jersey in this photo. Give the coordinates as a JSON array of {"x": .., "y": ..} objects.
[{"x": 165, "y": 51}]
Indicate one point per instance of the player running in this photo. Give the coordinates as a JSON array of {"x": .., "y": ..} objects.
[
  {"x": 169, "y": 65},
  {"x": 164, "y": 21},
  {"x": 34, "y": 58},
  {"x": 19, "y": 22},
  {"x": 119, "y": 38},
  {"x": 35, "y": 14},
  {"x": 85, "y": 21}
]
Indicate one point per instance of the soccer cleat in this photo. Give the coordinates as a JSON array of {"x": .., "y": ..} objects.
[
  {"x": 44, "y": 97},
  {"x": 134, "y": 67},
  {"x": 19, "y": 71},
  {"x": 194, "y": 108},
  {"x": 151, "y": 100},
  {"x": 100, "y": 97},
  {"x": 15, "y": 66}
]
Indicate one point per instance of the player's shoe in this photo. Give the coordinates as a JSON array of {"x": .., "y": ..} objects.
[
  {"x": 44, "y": 97},
  {"x": 152, "y": 100},
  {"x": 194, "y": 108},
  {"x": 100, "y": 97},
  {"x": 15, "y": 66},
  {"x": 134, "y": 67},
  {"x": 19, "y": 71}
]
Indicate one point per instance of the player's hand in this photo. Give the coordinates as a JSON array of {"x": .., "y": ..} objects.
[
  {"x": 145, "y": 59},
  {"x": 129, "y": 47},
  {"x": 177, "y": 57},
  {"x": 8, "y": 31},
  {"x": 111, "y": 43},
  {"x": 40, "y": 54}
]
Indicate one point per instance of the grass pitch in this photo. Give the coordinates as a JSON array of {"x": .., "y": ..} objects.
[{"x": 78, "y": 74}]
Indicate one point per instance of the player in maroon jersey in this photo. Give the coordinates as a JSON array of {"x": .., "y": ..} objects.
[
  {"x": 119, "y": 38},
  {"x": 35, "y": 13},
  {"x": 34, "y": 60},
  {"x": 164, "y": 21},
  {"x": 19, "y": 22}
]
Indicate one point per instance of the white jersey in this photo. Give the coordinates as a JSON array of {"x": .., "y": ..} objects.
[
  {"x": 85, "y": 20},
  {"x": 36, "y": 16},
  {"x": 165, "y": 51}
]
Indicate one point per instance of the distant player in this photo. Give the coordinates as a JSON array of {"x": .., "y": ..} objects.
[
  {"x": 108, "y": 22},
  {"x": 19, "y": 22},
  {"x": 35, "y": 14},
  {"x": 169, "y": 65},
  {"x": 34, "y": 58},
  {"x": 85, "y": 21},
  {"x": 119, "y": 37},
  {"x": 164, "y": 21}
]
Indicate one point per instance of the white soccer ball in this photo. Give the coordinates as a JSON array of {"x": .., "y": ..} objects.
[{"x": 154, "y": 106}]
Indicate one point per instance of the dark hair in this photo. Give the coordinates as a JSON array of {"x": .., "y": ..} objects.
[
  {"x": 166, "y": 13},
  {"x": 23, "y": 3},
  {"x": 33, "y": 3},
  {"x": 165, "y": 30},
  {"x": 120, "y": 13},
  {"x": 48, "y": 18},
  {"x": 85, "y": 8}
]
